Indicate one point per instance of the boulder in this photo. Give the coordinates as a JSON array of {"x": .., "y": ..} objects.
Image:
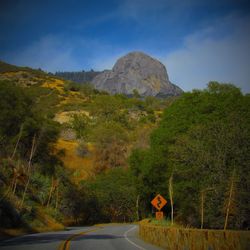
[{"x": 137, "y": 71}]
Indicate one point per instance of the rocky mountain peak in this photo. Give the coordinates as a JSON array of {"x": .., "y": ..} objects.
[{"x": 139, "y": 71}]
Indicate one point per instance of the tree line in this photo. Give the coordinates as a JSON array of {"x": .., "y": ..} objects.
[{"x": 78, "y": 76}]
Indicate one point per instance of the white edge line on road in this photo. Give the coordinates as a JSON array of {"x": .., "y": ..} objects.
[{"x": 131, "y": 242}]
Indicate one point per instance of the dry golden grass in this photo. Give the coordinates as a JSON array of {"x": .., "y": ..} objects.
[
  {"x": 54, "y": 84},
  {"x": 74, "y": 93},
  {"x": 72, "y": 98},
  {"x": 195, "y": 239},
  {"x": 82, "y": 167},
  {"x": 49, "y": 223},
  {"x": 65, "y": 116},
  {"x": 9, "y": 74},
  {"x": 158, "y": 112},
  {"x": 23, "y": 78},
  {"x": 13, "y": 74},
  {"x": 65, "y": 100}
]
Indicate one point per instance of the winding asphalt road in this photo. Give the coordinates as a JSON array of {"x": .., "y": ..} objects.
[{"x": 106, "y": 237}]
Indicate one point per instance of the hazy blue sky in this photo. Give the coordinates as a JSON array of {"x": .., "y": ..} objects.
[{"x": 197, "y": 40}]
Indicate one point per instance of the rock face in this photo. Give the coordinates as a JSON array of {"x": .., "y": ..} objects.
[{"x": 137, "y": 71}]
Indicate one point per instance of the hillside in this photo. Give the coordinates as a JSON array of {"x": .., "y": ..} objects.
[
  {"x": 67, "y": 147},
  {"x": 78, "y": 132}
]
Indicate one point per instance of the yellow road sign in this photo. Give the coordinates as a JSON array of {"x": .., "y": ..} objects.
[{"x": 158, "y": 202}]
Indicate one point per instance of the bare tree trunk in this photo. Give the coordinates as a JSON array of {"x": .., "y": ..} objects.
[
  {"x": 57, "y": 195},
  {"x": 51, "y": 191},
  {"x": 203, "y": 193},
  {"x": 13, "y": 182},
  {"x": 28, "y": 172},
  {"x": 25, "y": 190},
  {"x": 229, "y": 200},
  {"x": 170, "y": 189},
  {"x": 202, "y": 208},
  {"x": 137, "y": 207},
  {"x": 15, "y": 178},
  {"x": 18, "y": 140},
  {"x": 14, "y": 186}
]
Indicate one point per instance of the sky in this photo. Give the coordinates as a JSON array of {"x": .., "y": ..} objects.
[{"x": 197, "y": 40}]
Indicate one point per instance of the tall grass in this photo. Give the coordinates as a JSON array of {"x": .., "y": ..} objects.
[{"x": 163, "y": 235}]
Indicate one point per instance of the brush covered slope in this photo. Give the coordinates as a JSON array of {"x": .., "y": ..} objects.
[
  {"x": 58, "y": 136},
  {"x": 80, "y": 155}
]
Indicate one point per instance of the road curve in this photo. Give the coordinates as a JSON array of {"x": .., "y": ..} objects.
[{"x": 110, "y": 237}]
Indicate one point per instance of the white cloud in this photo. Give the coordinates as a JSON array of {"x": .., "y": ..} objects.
[
  {"x": 50, "y": 53},
  {"x": 60, "y": 53},
  {"x": 218, "y": 52}
]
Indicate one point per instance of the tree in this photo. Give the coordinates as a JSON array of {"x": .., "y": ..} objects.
[
  {"x": 14, "y": 110},
  {"x": 203, "y": 135},
  {"x": 230, "y": 202},
  {"x": 136, "y": 93},
  {"x": 80, "y": 124},
  {"x": 170, "y": 190},
  {"x": 114, "y": 195}
]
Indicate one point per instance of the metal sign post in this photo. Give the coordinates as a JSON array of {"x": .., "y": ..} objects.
[{"x": 159, "y": 202}]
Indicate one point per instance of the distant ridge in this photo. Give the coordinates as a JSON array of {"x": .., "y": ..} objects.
[
  {"x": 135, "y": 71},
  {"x": 78, "y": 76},
  {"x": 6, "y": 67}
]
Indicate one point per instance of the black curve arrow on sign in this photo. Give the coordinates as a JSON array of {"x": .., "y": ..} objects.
[{"x": 159, "y": 202}]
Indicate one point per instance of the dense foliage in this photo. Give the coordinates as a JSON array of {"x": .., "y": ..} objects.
[
  {"x": 110, "y": 197},
  {"x": 31, "y": 174},
  {"x": 203, "y": 142}
]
